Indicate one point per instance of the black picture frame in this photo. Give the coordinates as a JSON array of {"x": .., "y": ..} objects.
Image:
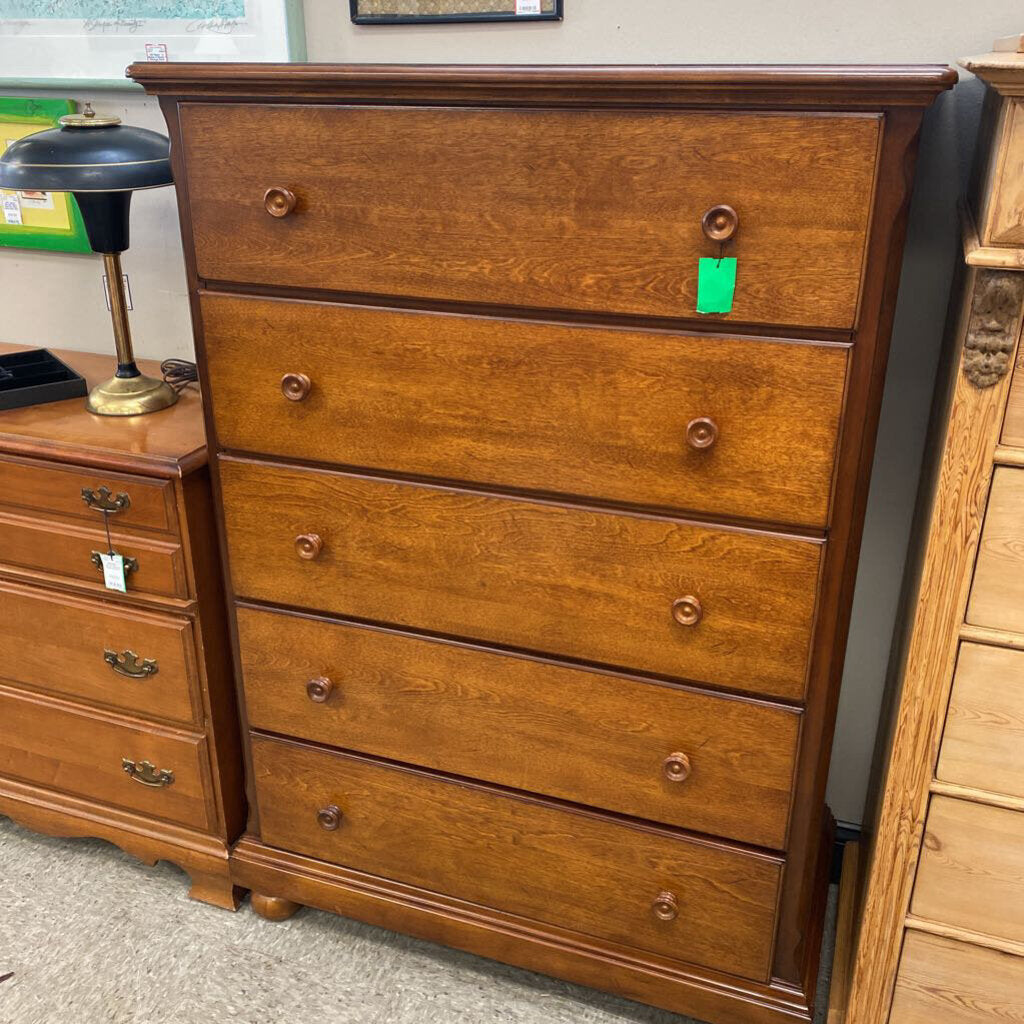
[{"x": 450, "y": 19}]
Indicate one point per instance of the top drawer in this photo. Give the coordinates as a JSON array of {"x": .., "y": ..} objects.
[{"x": 553, "y": 209}]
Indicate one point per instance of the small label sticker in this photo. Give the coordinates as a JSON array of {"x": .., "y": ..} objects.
[
  {"x": 527, "y": 6},
  {"x": 12, "y": 208},
  {"x": 716, "y": 284},
  {"x": 113, "y": 572},
  {"x": 157, "y": 52}
]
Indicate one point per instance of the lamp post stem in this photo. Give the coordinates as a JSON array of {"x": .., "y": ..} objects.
[{"x": 119, "y": 316}]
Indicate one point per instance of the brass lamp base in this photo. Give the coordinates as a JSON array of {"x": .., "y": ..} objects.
[{"x": 130, "y": 396}]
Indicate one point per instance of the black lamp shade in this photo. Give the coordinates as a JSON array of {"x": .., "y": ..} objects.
[{"x": 111, "y": 158}]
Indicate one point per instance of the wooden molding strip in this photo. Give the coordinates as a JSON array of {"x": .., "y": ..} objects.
[
  {"x": 977, "y": 796},
  {"x": 946, "y": 931},
  {"x": 993, "y": 637},
  {"x": 978, "y": 255},
  {"x": 1007, "y": 456}
]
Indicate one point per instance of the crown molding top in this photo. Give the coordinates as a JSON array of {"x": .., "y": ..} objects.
[
  {"x": 854, "y": 87},
  {"x": 1003, "y": 70}
]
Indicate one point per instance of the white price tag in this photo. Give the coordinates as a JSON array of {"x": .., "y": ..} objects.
[
  {"x": 12, "y": 208},
  {"x": 113, "y": 572},
  {"x": 527, "y": 6},
  {"x": 157, "y": 52}
]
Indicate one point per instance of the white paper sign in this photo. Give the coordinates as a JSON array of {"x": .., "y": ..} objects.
[
  {"x": 113, "y": 572},
  {"x": 12, "y": 208},
  {"x": 527, "y": 6},
  {"x": 157, "y": 52}
]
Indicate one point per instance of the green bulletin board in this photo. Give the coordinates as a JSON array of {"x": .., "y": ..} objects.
[{"x": 37, "y": 220}]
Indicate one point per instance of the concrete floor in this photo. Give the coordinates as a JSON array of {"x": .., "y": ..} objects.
[{"x": 94, "y": 937}]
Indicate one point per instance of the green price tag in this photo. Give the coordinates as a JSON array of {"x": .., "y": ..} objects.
[{"x": 716, "y": 284}]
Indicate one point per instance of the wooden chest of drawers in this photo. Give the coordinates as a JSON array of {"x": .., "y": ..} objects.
[
  {"x": 542, "y": 580},
  {"x": 117, "y": 711},
  {"x": 942, "y": 935}
]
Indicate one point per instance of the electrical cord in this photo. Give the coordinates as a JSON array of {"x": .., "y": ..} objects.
[{"x": 179, "y": 373}]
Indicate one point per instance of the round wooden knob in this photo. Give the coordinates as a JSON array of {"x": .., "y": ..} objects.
[
  {"x": 295, "y": 386},
  {"x": 701, "y": 433},
  {"x": 676, "y": 767},
  {"x": 279, "y": 202},
  {"x": 665, "y": 906},
  {"x": 687, "y": 610},
  {"x": 308, "y": 545},
  {"x": 319, "y": 690},
  {"x": 720, "y": 223},
  {"x": 328, "y": 818}
]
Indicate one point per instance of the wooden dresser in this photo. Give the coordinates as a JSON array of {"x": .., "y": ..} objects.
[
  {"x": 542, "y": 579},
  {"x": 117, "y": 711},
  {"x": 942, "y": 933}
]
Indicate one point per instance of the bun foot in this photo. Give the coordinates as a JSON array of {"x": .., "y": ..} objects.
[{"x": 273, "y": 908}]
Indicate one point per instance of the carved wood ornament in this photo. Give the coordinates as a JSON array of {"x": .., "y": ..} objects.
[{"x": 992, "y": 330}]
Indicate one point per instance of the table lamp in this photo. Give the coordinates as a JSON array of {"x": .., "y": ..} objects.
[{"x": 100, "y": 162}]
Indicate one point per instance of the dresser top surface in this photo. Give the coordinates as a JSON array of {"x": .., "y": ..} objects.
[
  {"x": 830, "y": 86},
  {"x": 167, "y": 443}
]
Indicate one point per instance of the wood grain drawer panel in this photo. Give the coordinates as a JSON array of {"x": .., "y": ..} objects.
[
  {"x": 589, "y": 737},
  {"x": 997, "y": 593},
  {"x": 971, "y": 873},
  {"x": 56, "y": 489},
  {"x": 65, "y": 549},
  {"x": 983, "y": 741},
  {"x": 942, "y": 981},
  {"x": 573, "y": 581},
  {"x": 57, "y": 642},
  {"x": 71, "y": 749},
  {"x": 554, "y": 209},
  {"x": 575, "y": 869},
  {"x": 563, "y": 409},
  {"x": 1013, "y": 424}
]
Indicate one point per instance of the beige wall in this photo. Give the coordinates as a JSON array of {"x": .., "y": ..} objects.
[{"x": 57, "y": 300}]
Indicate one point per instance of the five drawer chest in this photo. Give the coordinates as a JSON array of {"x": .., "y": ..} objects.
[{"x": 540, "y": 578}]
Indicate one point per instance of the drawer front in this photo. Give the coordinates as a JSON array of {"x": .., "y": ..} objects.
[
  {"x": 574, "y": 869},
  {"x": 983, "y": 742},
  {"x": 997, "y": 593},
  {"x": 942, "y": 981},
  {"x": 584, "y": 209},
  {"x": 66, "y": 549},
  {"x": 586, "y": 583},
  {"x": 130, "y": 660},
  {"x": 132, "y": 501},
  {"x": 1013, "y": 424},
  {"x": 57, "y": 745},
  {"x": 580, "y": 410},
  {"x": 971, "y": 873},
  {"x": 707, "y": 763}
]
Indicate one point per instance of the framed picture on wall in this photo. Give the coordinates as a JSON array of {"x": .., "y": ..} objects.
[
  {"x": 90, "y": 42},
  {"x": 417, "y": 12},
  {"x": 37, "y": 220}
]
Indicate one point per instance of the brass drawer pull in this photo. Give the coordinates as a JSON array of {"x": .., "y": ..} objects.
[
  {"x": 701, "y": 433},
  {"x": 295, "y": 386},
  {"x": 665, "y": 906},
  {"x": 319, "y": 690},
  {"x": 687, "y": 611},
  {"x": 101, "y": 500},
  {"x": 719, "y": 223},
  {"x": 676, "y": 767},
  {"x": 279, "y": 202},
  {"x": 127, "y": 664},
  {"x": 147, "y": 773},
  {"x": 328, "y": 818},
  {"x": 130, "y": 564},
  {"x": 308, "y": 546}
]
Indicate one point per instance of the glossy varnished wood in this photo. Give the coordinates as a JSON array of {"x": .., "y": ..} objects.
[
  {"x": 58, "y": 744},
  {"x": 536, "y": 208},
  {"x": 983, "y": 739},
  {"x": 593, "y": 738},
  {"x": 56, "y": 642},
  {"x": 942, "y": 981},
  {"x": 997, "y": 595},
  {"x": 565, "y": 867},
  {"x": 476, "y": 399},
  {"x": 971, "y": 873},
  {"x": 566, "y": 580}
]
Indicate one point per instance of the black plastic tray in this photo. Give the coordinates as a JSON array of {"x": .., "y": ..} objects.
[{"x": 35, "y": 377}]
